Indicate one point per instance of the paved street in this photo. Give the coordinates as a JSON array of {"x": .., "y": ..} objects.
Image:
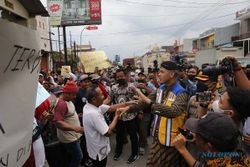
[{"x": 141, "y": 162}]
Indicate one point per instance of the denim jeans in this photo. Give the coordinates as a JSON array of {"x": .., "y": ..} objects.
[{"x": 75, "y": 152}]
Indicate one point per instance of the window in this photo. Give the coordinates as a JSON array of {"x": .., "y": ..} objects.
[
  {"x": 39, "y": 24},
  {"x": 43, "y": 26},
  {"x": 248, "y": 25}
]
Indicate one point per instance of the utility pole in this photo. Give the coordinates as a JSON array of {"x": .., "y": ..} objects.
[
  {"x": 59, "y": 42},
  {"x": 75, "y": 49},
  {"x": 70, "y": 38},
  {"x": 51, "y": 48},
  {"x": 65, "y": 45}
]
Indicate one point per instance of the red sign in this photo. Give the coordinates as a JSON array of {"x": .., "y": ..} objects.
[
  {"x": 195, "y": 50},
  {"x": 91, "y": 27},
  {"x": 54, "y": 8},
  {"x": 95, "y": 10}
]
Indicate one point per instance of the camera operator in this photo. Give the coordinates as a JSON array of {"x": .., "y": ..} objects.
[
  {"x": 235, "y": 103},
  {"x": 216, "y": 136},
  {"x": 199, "y": 104},
  {"x": 240, "y": 77}
]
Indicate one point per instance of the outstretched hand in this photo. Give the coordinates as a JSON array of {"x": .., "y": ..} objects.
[
  {"x": 132, "y": 102},
  {"x": 140, "y": 96},
  {"x": 120, "y": 111}
]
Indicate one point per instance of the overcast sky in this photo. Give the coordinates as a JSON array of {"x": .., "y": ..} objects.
[{"x": 132, "y": 27}]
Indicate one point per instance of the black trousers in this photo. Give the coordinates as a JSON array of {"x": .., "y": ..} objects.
[
  {"x": 131, "y": 129},
  {"x": 97, "y": 163},
  {"x": 83, "y": 145},
  {"x": 56, "y": 155}
]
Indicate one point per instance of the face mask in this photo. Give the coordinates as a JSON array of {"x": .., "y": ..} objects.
[
  {"x": 216, "y": 107},
  {"x": 191, "y": 77},
  {"x": 121, "y": 81}
]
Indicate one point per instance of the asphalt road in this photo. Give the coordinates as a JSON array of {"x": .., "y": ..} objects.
[{"x": 141, "y": 162}]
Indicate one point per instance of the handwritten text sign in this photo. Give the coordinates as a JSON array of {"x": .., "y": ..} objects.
[{"x": 19, "y": 66}]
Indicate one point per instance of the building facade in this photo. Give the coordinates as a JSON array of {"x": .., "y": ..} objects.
[
  {"x": 29, "y": 14},
  {"x": 243, "y": 39},
  {"x": 216, "y": 44}
]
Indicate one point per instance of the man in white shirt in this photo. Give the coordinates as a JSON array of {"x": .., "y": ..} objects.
[{"x": 97, "y": 131}]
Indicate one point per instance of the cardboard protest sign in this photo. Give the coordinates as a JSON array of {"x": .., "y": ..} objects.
[
  {"x": 91, "y": 60},
  {"x": 65, "y": 71},
  {"x": 19, "y": 66}
]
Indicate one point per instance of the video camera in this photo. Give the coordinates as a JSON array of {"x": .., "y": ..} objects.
[
  {"x": 180, "y": 63},
  {"x": 203, "y": 97},
  {"x": 225, "y": 68}
]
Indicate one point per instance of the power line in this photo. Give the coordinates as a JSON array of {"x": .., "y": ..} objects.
[
  {"x": 148, "y": 16},
  {"x": 191, "y": 23},
  {"x": 164, "y": 39},
  {"x": 145, "y": 16},
  {"x": 173, "y": 6},
  {"x": 200, "y": 3},
  {"x": 201, "y": 16},
  {"x": 156, "y": 28}
]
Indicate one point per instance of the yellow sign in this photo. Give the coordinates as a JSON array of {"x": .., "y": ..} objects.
[
  {"x": 65, "y": 70},
  {"x": 210, "y": 38},
  {"x": 91, "y": 60}
]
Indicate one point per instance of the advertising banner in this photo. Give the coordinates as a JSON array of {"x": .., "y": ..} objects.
[
  {"x": 19, "y": 66},
  {"x": 55, "y": 8},
  {"x": 74, "y": 12}
]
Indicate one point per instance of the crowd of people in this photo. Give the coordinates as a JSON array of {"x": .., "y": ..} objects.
[{"x": 195, "y": 117}]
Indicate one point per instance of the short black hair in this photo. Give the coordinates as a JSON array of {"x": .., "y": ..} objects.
[
  {"x": 227, "y": 145},
  {"x": 194, "y": 67},
  {"x": 91, "y": 92},
  {"x": 141, "y": 73},
  {"x": 121, "y": 70},
  {"x": 169, "y": 65},
  {"x": 239, "y": 99}
]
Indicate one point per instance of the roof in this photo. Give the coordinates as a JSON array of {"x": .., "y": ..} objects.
[
  {"x": 34, "y": 7},
  {"x": 226, "y": 45},
  {"x": 246, "y": 39}
]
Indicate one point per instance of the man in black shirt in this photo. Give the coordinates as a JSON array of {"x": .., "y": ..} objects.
[{"x": 80, "y": 101}]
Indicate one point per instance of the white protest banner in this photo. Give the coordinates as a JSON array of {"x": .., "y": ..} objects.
[
  {"x": 55, "y": 8},
  {"x": 42, "y": 95},
  {"x": 19, "y": 66},
  {"x": 91, "y": 60}
]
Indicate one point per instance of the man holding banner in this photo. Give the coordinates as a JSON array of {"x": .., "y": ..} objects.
[{"x": 66, "y": 119}]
